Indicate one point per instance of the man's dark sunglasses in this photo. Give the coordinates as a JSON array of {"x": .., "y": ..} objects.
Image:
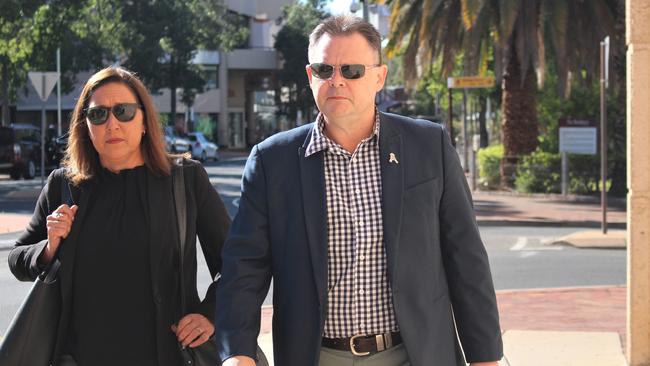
[
  {"x": 351, "y": 72},
  {"x": 124, "y": 112}
]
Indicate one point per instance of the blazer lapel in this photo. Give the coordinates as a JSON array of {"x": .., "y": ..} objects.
[
  {"x": 392, "y": 180},
  {"x": 312, "y": 179}
]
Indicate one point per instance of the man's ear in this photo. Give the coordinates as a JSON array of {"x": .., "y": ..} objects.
[
  {"x": 309, "y": 76},
  {"x": 382, "y": 72}
]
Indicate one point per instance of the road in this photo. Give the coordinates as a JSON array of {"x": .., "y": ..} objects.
[{"x": 520, "y": 257}]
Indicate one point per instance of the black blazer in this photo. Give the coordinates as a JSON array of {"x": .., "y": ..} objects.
[
  {"x": 206, "y": 217},
  {"x": 437, "y": 265}
]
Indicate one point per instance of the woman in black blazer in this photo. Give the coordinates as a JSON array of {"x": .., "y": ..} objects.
[{"x": 117, "y": 240}]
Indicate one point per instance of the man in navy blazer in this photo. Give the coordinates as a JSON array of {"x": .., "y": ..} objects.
[{"x": 364, "y": 220}]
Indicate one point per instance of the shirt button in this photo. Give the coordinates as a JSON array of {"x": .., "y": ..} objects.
[
  {"x": 360, "y": 222},
  {"x": 361, "y": 292},
  {"x": 362, "y": 257},
  {"x": 357, "y": 191},
  {"x": 354, "y": 160},
  {"x": 361, "y": 326}
]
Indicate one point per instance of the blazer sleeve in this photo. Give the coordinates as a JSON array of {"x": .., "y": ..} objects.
[
  {"x": 466, "y": 265},
  {"x": 23, "y": 257},
  {"x": 212, "y": 224},
  {"x": 246, "y": 271}
]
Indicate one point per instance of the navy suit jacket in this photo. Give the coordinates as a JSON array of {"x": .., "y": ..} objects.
[{"x": 437, "y": 265}]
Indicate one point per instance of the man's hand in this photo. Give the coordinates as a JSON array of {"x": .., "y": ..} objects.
[
  {"x": 492, "y": 363},
  {"x": 239, "y": 361}
]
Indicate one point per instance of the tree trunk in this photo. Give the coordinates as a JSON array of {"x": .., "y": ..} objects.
[
  {"x": 482, "y": 121},
  {"x": 4, "y": 94},
  {"x": 519, "y": 110}
]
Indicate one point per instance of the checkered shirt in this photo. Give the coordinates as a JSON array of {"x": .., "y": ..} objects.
[{"x": 359, "y": 295}]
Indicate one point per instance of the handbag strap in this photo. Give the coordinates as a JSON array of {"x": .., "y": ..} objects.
[
  {"x": 178, "y": 183},
  {"x": 49, "y": 275}
]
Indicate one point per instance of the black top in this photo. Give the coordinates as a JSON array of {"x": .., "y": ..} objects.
[
  {"x": 112, "y": 318},
  {"x": 207, "y": 219}
]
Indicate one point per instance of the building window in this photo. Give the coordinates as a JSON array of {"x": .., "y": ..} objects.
[{"x": 211, "y": 75}]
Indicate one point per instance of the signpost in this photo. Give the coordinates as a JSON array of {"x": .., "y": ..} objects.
[
  {"x": 465, "y": 82},
  {"x": 604, "y": 78},
  {"x": 577, "y": 136},
  {"x": 470, "y": 82},
  {"x": 43, "y": 82}
]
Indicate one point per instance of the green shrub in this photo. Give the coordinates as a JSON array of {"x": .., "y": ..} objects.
[
  {"x": 489, "y": 159},
  {"x": 539, "y": 172},
  {"x": 584, "y": 174}
]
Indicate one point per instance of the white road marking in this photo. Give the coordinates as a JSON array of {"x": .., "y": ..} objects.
[{"x": 521, "y": 243}]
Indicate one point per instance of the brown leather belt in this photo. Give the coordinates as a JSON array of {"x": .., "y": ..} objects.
[{"x": 364, "y": 345}]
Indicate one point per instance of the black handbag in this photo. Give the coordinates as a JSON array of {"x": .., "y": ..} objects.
[
  {"x": 205, "y": 354},
  {"x": 31, "y": 336}
]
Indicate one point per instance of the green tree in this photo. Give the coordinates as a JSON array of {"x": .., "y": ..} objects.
[
  {"x": 163, "y": 37},
  {"x": 15, "y": 48},
  {"x": 292, "y": 42},
  {"x": 515, "y": 31},
  {"x": 31, "y": 31}
]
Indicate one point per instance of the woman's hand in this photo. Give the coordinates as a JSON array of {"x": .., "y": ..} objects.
[
  {"x": 58, "y": 225},
  {"x": 193, "y": 330}
]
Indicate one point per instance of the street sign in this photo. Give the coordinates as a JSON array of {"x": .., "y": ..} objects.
[
  {"x": 470, "y": 82},
  {"x": 576, "y": 122},
  {"x": 43, "y": 82},
  {"x": 578, "y": 137}
]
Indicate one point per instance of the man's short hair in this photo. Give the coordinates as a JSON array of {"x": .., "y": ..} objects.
[{"x": 345, "y": 25}]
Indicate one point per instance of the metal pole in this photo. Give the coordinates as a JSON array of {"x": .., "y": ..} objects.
[
  {"x": 464, "y": 131},
  {"x": 223, "y": 126},
  {"x": 365, "y": 10},
  {"x": 565, "y": 173},
  {"x": 450, "y": 119},
  {"x": 603, "y": 139},
  {"x": 58, "y": 92},
  {"x": 43, "y": 136}
]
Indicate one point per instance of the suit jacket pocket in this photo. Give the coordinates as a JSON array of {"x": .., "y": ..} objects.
[{"x": 429, "y": 182}]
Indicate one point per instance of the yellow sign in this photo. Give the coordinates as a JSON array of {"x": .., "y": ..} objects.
[{"x": 470, "y": 82}]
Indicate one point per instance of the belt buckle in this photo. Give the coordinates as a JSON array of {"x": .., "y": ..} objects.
[{"x": 354, "y": 351}]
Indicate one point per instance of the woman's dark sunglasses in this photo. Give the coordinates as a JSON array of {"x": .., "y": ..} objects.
[
  {"x": 124, "y": 112},
  {"x": 351, "y": 72}
]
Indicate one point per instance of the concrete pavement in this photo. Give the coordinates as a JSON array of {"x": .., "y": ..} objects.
[{"x": 569, "y": 326}]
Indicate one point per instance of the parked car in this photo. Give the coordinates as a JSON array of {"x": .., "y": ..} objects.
[
  {"x": 202, "y": 148},
  {"x": 20, "y": 151},
  {"x": 60, "y": 145},
  {"x": 175, "y": 143}
]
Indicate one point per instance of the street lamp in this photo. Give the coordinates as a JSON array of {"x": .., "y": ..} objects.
[{"x": 355, "y": 6}]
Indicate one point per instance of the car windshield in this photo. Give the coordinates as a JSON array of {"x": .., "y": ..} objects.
[
  {"x": 201, "y": 138},
  {"x": 27, "y": 134}
]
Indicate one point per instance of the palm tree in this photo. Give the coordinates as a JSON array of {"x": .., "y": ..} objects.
[{"x": 515, "y": 33}]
